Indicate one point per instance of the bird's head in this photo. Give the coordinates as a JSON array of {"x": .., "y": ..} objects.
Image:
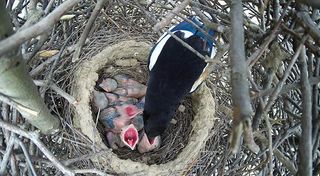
[
  {"x": 155, "y": 124},
  {"x": 129, "y": 136},
  {"x": 147, "y": 144}
]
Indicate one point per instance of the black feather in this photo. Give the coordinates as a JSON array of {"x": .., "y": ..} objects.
[{"x": 171, "y": 78}]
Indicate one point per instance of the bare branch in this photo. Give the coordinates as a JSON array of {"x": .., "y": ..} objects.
[
  {"x": 170, "y": 15},
  {"x": 59, "y": 91},
  {"x": 34, "y": 137},
  {"x": 87, "y": 29},
  {"x": 240, "y": 88},
  {"x": 305, "y": 147},
  {"x": 46, "y": 23},
  {"x": 309, "y": 24},
  {"x": 279, "y": 86},
  {"x": 89, "y": 171},
  {"x": 26, "y": 154},
  {"x": 7, "y": 154}
]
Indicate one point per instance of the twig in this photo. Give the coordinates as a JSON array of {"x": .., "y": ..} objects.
[
  {"x": 42, "y": 66},
  {"x": 13, "y": 165},
  {"x": 90, "y": 171},
  {"x": 17, "y": 105},
  {"x": 7, "y": 154},
  {"x": 269, "y": 128},
  {"x": 49, "y": 6},
  {"x": 27, "y": 156},
  {"x": 87, "y": 29},
  {"x": 43, "y": 25},
  {"x": 309, "y": 24},
  {"x": 187, "y": 46},
  {"x": 170, "y": 15},
  {"x": 216, "y": 27},
  {"x": 281, "y": 157},
  {"x": 258, "y": 53},
  {"x": 59, "y": 91},
  {"x": 279, "y": 86},
  {"x": 34, "y": 137},
  {"x": 43, "y": 38},
  {"x": 286, "y": 88},
  {"x": 305, "y": 146},
  {"x": 55, "y": 63},
  {"x": 240, "y": 88},
  {"x": 84, "y": 157}
]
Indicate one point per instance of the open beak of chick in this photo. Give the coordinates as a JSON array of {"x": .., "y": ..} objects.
[
  {"x": 147, "y": 145},
  {"x": 129, "y": 136}
]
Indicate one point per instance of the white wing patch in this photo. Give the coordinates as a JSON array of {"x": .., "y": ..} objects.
[
  {"x": 186, "y": 34},
  {"x": 201, "y": 78},
  {"x": 213, "y": 52},
  {"x": 164, "y": 34},
  {"x": 204, "y": 73},
  {"x": 161, "y": 42},
  {"x": 157, "y": 50}
]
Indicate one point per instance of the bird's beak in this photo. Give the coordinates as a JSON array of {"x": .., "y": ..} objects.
[
  {"x": 132, "y": 111},
  {"x": 129, "y": 136},
  {"x": 147, "y": 145}
]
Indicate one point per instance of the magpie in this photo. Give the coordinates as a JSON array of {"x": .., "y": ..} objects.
[{"x": 174, "y": 71}]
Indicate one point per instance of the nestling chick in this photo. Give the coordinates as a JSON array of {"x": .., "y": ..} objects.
[
  {"x": 108, "y": 84},
  {"x": 146, "y": 145},
  {"x": 99, "y": 101},
  {"x": 114, "y": 140},
  {"x": 129, "y": 136},
  {"x": 129, "y": 87}
]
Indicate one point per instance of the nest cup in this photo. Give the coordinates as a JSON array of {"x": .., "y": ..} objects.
[{"x": 85, "y": 78}]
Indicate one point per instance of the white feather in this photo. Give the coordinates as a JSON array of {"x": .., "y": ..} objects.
[
  {"x": 157, "y": 50},
  {"x": 161, "y": 42},
  {"x": 213, "y": 52},
  {"x": 199, "y": 80},
  {"x": 201, "y": 77}
]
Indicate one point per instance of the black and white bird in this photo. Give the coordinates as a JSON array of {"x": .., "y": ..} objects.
[{"x": 175, "y": 71}]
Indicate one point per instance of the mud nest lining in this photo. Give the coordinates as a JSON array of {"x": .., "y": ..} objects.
[{"x": 182, "y": 141}]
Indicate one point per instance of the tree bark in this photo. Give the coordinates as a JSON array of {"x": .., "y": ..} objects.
[
  {"x": 239, "y": 80},
  {"x": 305, "y": 146},
  {"x": 17, "y": 85}
]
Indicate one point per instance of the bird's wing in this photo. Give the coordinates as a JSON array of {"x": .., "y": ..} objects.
[
  {"x": 159, "y": 46},
  {"x": 205, "y": 72}
]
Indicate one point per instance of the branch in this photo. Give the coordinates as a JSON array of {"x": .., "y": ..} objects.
[
  {"x": 170, "y": 15},
  {"x": 240, "y": 88},
  {"x": 34, "y": 137},
  {"x": 89, "y": 171},
  {"x": 281, "y": 157},
  {"x": 17, "y": 105},
  {"x": 286, "y": 88},
  {"x": 43, "y": 25},
  {"x": 279, "y": 86},
  {"x": 7, "y": 154},
  {"x": 258, "y": 53},
  {"x": 306, "y": 21},
  {"x": 87, "y": 29},
  {"x": 57, "y": 89},
  {"x": 27, "y": 156},
  {"x": 305, "y": 146}
]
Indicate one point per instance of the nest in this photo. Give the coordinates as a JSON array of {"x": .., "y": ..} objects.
[
  {"x": 181, "y": 142},
  {"x": 175, "y": 137}
]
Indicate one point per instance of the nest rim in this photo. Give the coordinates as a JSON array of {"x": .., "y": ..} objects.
[{"x": 84, "y": 81}]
